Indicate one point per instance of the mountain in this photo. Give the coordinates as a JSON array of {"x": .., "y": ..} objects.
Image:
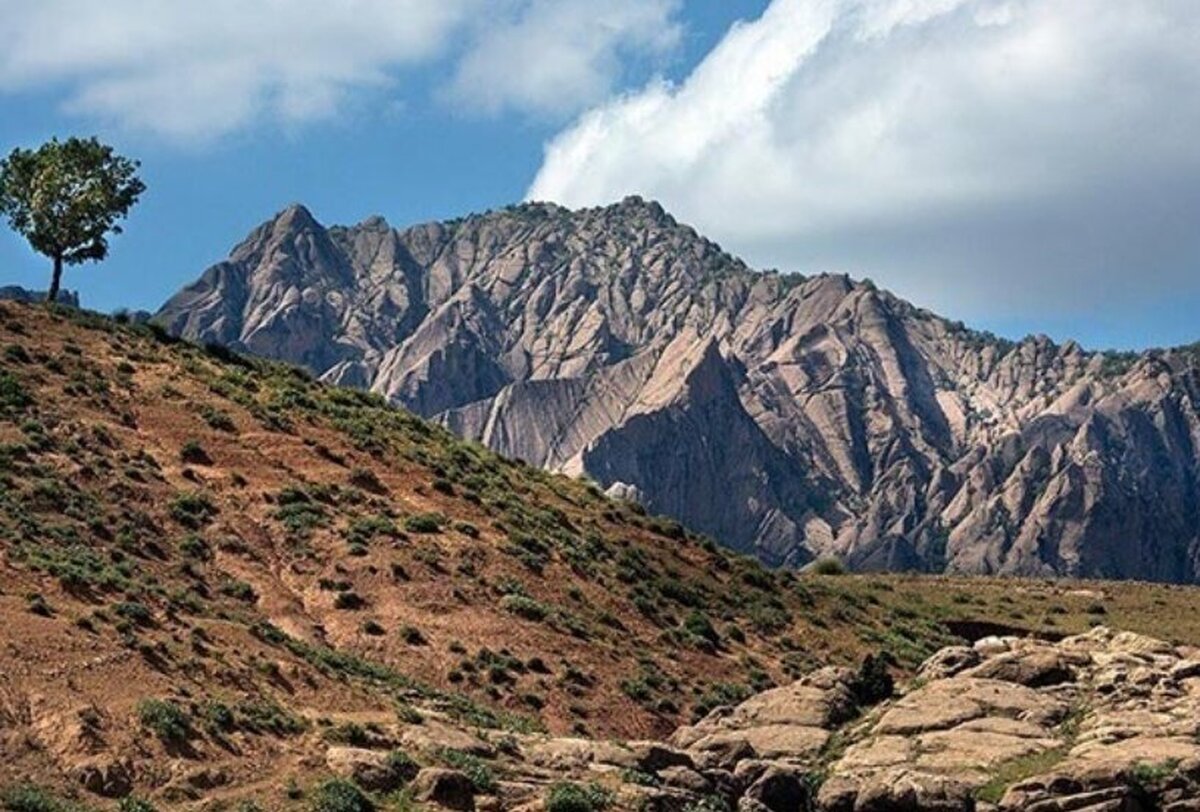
[
  {"x": 16, "y": 293},
  {"x": 224, "y": 585},
  {"x": 788, "y": 416}
]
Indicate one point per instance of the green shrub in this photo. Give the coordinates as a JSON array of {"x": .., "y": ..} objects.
[
  {"x": 13, "y": 397},
  {"x": 401, "y": 767},
  {"x": 527, "y": 608},
  {"x": 134, "y": 612},
  {"x": 219, "y": 420},
  {"x": 873, "y": 683},
  {"x": 366, "y": 528},
  {"x": 337, "y": 795},
  {"x": 698, "y": 625},
  {"x": 192, "y": 453},
  {"x": 165, "y": 719},
  {"x": 349, "y": 600},
  {"x": 17, "y": 354},
  {"x": 350, "y": 733},
  {"x": 30, "y": 798},
  {"x": 264, "y": 715},
  {"x": 828, "y": 566},
  {"x": 298, "y": 512},
  {"x": 193, "y": 510},
  {"x": 196, "y": 548},
  {"x": 37, "y": 605},
  {"x": 424, "y": 523},
  {"x": 217, "y": 716},
  {"x": 132, "y": 804},
  {"x": 238, "y": 590},
  {"x": 366, "y": 479},
  {"x": 476, "y": 769},
  {"x": 568, "y": 797}
]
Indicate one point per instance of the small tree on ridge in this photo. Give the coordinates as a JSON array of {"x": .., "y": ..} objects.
[{"x": 65, "y": 197}]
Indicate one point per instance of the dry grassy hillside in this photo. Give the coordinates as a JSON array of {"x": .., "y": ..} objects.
[{"x": 208, "y": 564}]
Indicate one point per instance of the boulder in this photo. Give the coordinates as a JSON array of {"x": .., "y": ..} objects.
[
  {"x": 1038, "y": 668},
  {"x": 780, "y": 789},
  {"x": 370, "y": 769},
  {"x": 105, "y": 776},
  {"x": 948, "y": 662},
  {"x": 449, "y": 789},
  {"x": 898, "y": 790},
  {"x": 685, "y": 778}
]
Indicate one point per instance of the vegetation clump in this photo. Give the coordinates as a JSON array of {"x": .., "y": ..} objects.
[
  {"x": 829, "y": 566},
  {"x": 193, "y": 510},
  {"x": 164, "y": 718},
  {"x": 337, "y": 795},
  {"x": 569, "y": 797},
  {"x": 873, "y": 683}
]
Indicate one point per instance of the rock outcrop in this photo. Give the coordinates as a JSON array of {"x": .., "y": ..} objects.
[
  {"x": 1099, "y": 721},
  {"x": 788, "y": 416},
  {"x": 16, "y": 293}
]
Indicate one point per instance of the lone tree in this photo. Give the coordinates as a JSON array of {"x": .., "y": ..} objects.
[{"x": 66, "y": 197}]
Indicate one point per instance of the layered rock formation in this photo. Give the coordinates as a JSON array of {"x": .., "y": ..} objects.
[
  {"x": 787, "y": 416},
  {"x": 1101, "y": 721},
  {"x": 1098, "y": 722}
]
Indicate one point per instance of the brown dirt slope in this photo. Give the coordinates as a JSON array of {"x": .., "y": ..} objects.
[{"x": 208, "y": 564}]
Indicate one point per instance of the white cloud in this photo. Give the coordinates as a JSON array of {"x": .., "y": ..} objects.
[
  {"x": 978, "y": 155},
  {"x": 195, "y": 70},
  {"x": 556, "y": 56}
]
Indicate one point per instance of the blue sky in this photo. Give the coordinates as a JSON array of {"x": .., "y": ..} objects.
[{"x": 819, "y": 135}]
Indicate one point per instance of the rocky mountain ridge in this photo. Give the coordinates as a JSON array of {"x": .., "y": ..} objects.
[{"x": 789, "y": 416}]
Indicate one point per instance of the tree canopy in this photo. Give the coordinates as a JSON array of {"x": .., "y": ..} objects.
[{"x": 66, "y": 197}]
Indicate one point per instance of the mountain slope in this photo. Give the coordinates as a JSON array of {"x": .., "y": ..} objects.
[
  {"x": 786, "y": 416},
  {"x": 219, "y": 580}
]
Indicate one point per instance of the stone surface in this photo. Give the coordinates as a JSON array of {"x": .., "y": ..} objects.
[
  {"x": 446, "y": 788},
  {"x": 370, "y": 769},
  {"x": 1110, "y": 725}
]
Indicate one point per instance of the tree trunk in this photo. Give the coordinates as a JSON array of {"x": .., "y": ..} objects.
[{"x": 55, "y": 281}]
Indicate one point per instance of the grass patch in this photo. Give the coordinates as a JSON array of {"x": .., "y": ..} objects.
[{"x": 1019, "y": 769}]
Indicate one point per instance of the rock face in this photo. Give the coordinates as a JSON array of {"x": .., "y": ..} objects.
[
  {"x": 1102, "y": 721},
  {"x": 786, "y": 416},
  {"x": 1097, "y": 721}
]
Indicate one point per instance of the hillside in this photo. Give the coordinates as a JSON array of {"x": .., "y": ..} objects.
[
  {"x": 786, "y": 416},
  {"x": 212, "y": 568}
]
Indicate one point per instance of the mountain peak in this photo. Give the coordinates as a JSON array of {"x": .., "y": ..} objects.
[
  {"x": 638, "y": 205},
  {"x": 295, "y": 217}
]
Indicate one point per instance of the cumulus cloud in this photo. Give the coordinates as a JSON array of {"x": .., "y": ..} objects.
[
  {"x": 556, "y": 56},
  {"x": 982, "y": 156},
  {"x": 196, "y": 70}
]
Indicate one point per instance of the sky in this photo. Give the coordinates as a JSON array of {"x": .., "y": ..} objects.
[{"x": 1026, "y": 166}]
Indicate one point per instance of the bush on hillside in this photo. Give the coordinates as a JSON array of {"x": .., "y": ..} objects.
[
  {"x": 829, "y": 566},
  {"x": 337, "y": 795},
  {"x": 568, "y": 797}
]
